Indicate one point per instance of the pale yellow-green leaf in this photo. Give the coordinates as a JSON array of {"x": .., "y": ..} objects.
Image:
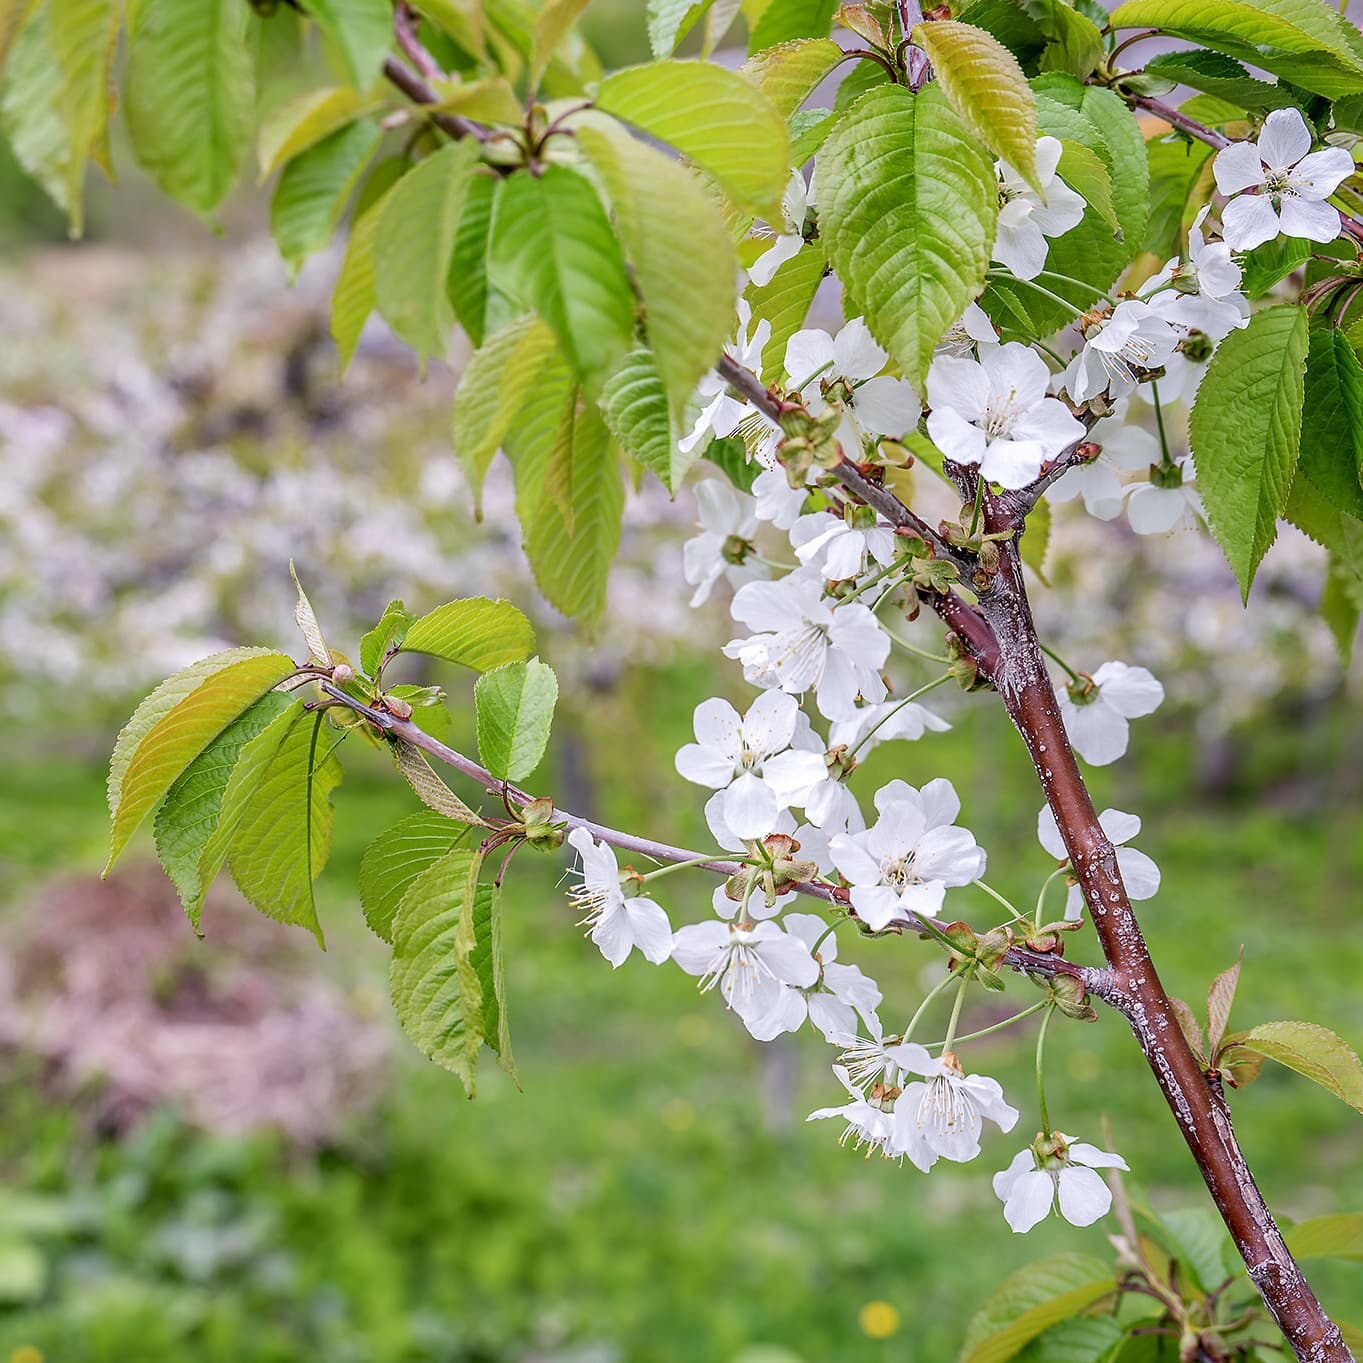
[
  {"x": 789, "y": 73},
  {"x": 13, "y": 15},
  {"x": 712, "y": 116},
  {"x": 430, "y": 789},
  {"x": 679, "y": 247},
  {"x": 353, "y": 298},
  {"x": 474, "y": 631},
  {"x": 1311, "y": 1050},
  {"x": 1338, "y": 1236},
  {"x": 284, "y": 835},
  {"x": 413, "y": 244},
  {"x": 551, "y": 27},
  {"x": 486, "y": 101},
  {"x": 189, "y": 93},
  {"x": 180, "y": 734},
  {"x": 396, "y": 857},
  {"x": 28, "y": 110},
  {"x": 986, "y": 87},
  {"x": 300, "y": 123},
  {"x": 488, "y": 399},
  {"x": 85, "y": 39},
  {"x": 463, "y": 20},
  {"x": 306, "y": 620}
]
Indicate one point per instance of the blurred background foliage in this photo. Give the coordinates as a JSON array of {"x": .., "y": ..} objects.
[{"x": 216, "y": 1150}]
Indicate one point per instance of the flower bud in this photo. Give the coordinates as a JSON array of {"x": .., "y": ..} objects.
[
  {"x": 342, "y": 673},
  {"x": 396, "y": 706}
]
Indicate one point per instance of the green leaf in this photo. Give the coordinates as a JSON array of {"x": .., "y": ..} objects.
[
  {"x": 1304, "y": 41},
  {"x": 986, "y": 87},
  {"x": 1314, "y": 1051},
  {"x": 84, "y": 35},
  {"x": 571, "y": 551},
  {"x": 430, "y": 789},
  {"x": 1011, "y": 23},
  {"x": 481, "y": 307},
  {"x": 353, "y": 298},
  {"x": 669, "y": 21},
  {"x": 362, "y": 31},
  {"x": 486, "y": 958},
  {"x": 1197, "y": 1237},
  {"x": 1180, "y": 182},
  {"x": 908, "y": 203},
  {"x": 474, "y": 632},
  {"x": 14, "y": 14},
  {"x": 1272, "y": 262},
  {"x": 304, "y": 121},
  {"x": 515, "y": 706},
  {"x": 28, "y": 110},
  {"x": 1341, "y": 604},
  {"x": 785, "y": 303},
  {"x": 789, "y": 73},
  {"x": 388, "y": 634},
  {"x": 809, "y": 130},
  {"x": 730, "y": 457},
  {"x": 492, "y": 391},
  {"x": 551, "y": 27},
  {"x": 190, "y": 812},
  {"x": 635, "y": 407},
  {"x": 714, "y": 118},
  {"x": 1084, "y": 1339},
  {"x": 1339, "y": 1236},
  {"x": 1216, "y": 74},
  {"x": 1220, "y": 997},
  {"x": 1315, "y": 516},
  {"x": 189, "y": 95},
  {"x": 1036, "y": 539},
  {"x": 413, "y": 244},
  {"x": 436, "y": 990},
  {"x": 1245, "y": 433},
  {"x": 397, "y": 857},
  {"x": 1332, "y": 420},
  {"x": 284, "y": 833},
  {"x": 667, "y": 220},
  {"x": 175, "y": 724},
  {"x": 553, "y": 250},
  {"x": 1074, "y": 43},
  {"x": 313, "y": 191},
  {"x": 1032, "y": 1300},
  {"x": 1083, "y": 170},
  {"x": 783, "y": 21}
]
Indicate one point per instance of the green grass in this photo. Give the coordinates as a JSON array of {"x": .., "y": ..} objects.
[{"x": 654, "y": 1193}]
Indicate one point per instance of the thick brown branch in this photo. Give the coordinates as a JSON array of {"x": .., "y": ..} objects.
[
  {"x": 1203, "y": 1117},
  {"x": 1096, "y": 982}
]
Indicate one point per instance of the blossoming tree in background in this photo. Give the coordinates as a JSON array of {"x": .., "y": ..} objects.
[{"x": 1047, "y": 274}]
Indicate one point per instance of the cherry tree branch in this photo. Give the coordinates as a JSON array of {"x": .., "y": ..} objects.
[
  {"x": 1096, "y": 981},
  {"x": 416, "y": 89},
  {"x": 1025, "y": 687}
]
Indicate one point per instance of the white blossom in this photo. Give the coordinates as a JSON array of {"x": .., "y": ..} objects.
[
  {"x": 904, "y": 863},
  {"x": 722, "y": 413},
  {"x": 833, "y": 1002},
  {"x": 839, "y": 548},
  {"x": 972, "y": 328},
  {"x": 869, "y": 1120},
  {"x": 803, "y": 641},
  {"x": 1158, "y": 507},
  {"x": 796, "y": 202},
  {"x": 873, "y": 725},
  {"x": 775, "y": 500},
  {"x": 751, "y": 963},
  {"x": 1027, "y": 218},
  {"x": 618, "y": 924},
  {"x": 876, "y": 406},
  {"x": 1134, "y": 338},
  {"x": 1140, "y": 875},
  {"x": 1096, "y": 719},
  {"x": 749, "y": 760},
  {"x": 945, "y": 1115},
  {"x": 1032, "y": 1184},
  {"x": 728, "y": 522},
  {"x": 1288, "y": 183},
  {"x": 995, "y": 412}
]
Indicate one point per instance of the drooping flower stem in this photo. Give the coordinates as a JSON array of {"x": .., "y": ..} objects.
[
  {"x": 681, "y": 866},
  {"x": 947, "y": 980},
  {"x": 995, "y": 895},
  {"x": 995, "y": 1027},
  {"x": 956, "y": 1009},
  {"x": 1041, "y": 1069},
  {"x": 890, "y": 714},
  {"x": 1041, "y": 894},
  {"x": 1038, "y": 288},
  {"x": 1165, "y": 460}
]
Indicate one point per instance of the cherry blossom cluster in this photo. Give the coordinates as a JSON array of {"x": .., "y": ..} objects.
[{"x": 817, "y": 579}]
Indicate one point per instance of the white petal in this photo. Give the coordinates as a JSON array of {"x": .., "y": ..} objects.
[
  {"x": 1021, "y": 249},
  {"x": 877, "y": 905},
  {"x": 1139, "y": 873},
  {"x": 807, "y": 352},
  {"x": 1048, "y": 834},
  {"x": 834, "y": 1018},
  {"x": 961, "y": 442},
  {"x": 1006, "y": 1179},
  {"x": 1131, "y": 691},
  {"x": 769, "y": 724},
  {"x": 1081, "y": 1152},
  {"x": 950, "y": 855},
  {"x": 1313, "y": 221},
  {"x": 1238, "y": 167},
  {"x": 1321, "y": 173},
  {"x": 1155, "y": 510},
  {"x": 851, "y": 857},
  {"x": 766, "y": 265},
  {"x": 648, "y": 926},
  {"x": 696, "y": 946},
  {"x": 750, "y": 807},
  {"x": 1098, "y": 733},
  {"x": 960, "y": 384},
  {"x": 1062, "y": 210},
  {"x": 1051, "y": 424},
  {"x": 855, "y": 352},
  {"x": 1030, "y": 1201},
  {"x": 788, "y": 957},
  {"x": 785, "y": 1013},
  {"x": 1284, "y": 140},
  {"x": 1248, "y": 221},
  {"x": 886, "y": 406},
  {"x": 1118, "y": 826},
  {"x": 1013, "y": 463},
  {"x": 1084, "y": 1197},
  {"x": 704, "y": 766},
  {"x": 938, "y": 800}
]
